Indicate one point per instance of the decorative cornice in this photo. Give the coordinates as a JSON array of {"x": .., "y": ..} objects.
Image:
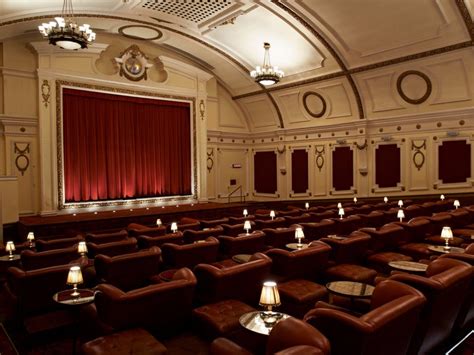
[
  {"x": 18, "y": 72},
  {"x": 466, "y": 16}
]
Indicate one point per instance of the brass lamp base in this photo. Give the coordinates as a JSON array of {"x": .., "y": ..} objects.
[{"x": 270, "y": 318}]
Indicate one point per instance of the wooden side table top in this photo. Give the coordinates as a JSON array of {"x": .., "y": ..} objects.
[
  {"x": 411, "y": 266},
  {"x": 296, "y": 246},
  {"x": 441, "y": 249},
  {"x": 350, "y": 289},
  {"x": 241, "y": 258},
  {"x": 65, "y": 297},
  {"x": 253, "y": 322}
]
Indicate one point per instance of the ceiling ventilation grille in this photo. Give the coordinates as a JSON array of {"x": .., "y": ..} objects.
[{"x": 192, "y": 10}]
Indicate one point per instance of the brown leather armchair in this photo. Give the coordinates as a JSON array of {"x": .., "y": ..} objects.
[
  {"x": 128, "y": 245},
  {"x": 233, "y": 230},
  {"x": 289, "y": 336},
  {"x": 278, "y": 222},
  {"x": 348, "y": 224},
  {"x": 161, "y": 308},
  {"x": 346, "y": 256},
  {"x": 296, "y": 273},
  {"x": 225, "y": 294},
  {"x": 135, "y": 229},
  {"x": 304, "y": 218},
  {"x": 186, "y": 223},
  {"x": 146, "y": 241},
  {"x": 240, "y": 220},
  {"x": 189, "y": 255},
  {"x": 42, "y": 245},
  {"x": 317, "y": 230},
  {"x": 386, "y": 329},
  {"x": 106, "y": 237},
  {"x": 242, "y": 244},
  {"x": 210, "y": 223},
  {"x": 191, "y": 236},
  {"x": 128, "y": 271},
  {"x": 445, "y": 286},
  {"x": 278, "y": 238},
  {"x": 31, "y": 260}
]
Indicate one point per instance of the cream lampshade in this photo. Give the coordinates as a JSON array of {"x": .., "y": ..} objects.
[
  {"x": 272, "y": 214},
  {"x": 442, "y": 197},
  {"x": 341, "y": 212},
  {"x": 247, "y": 226},
  {"x": 385, "y": 199},
  {"x": 299, "y": 234},
  {"x": 447, "y": 234},
  {"x": 355, "y": 199},
  {"x": 401, "y": 215},
  {"x": 158, "y": 222},
  {"x": 30, "y": 238},
  {"x": 270, "y": 298},
  {"x": 10, "y": 247},
  {"x": 82, "y": 248},
  {"x": 74, "y": 278},
  {"x": 306, "y": 205},
  {"x": 245, "y": 213},
  {"x": 174, "y": 227},
  {"x": 400, "y": 203},
  {"x": 339, "y": 205},
  {"x": 456, "y": 204}
]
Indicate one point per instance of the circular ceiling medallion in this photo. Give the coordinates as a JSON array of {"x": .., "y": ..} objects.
[
  {"x": 140, "y": 32},
  {"x": 314, "y": 104},
  {"x": 414, "y": 86}
]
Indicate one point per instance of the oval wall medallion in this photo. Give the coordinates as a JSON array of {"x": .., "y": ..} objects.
[
  {"x": 414, "y": 86},
  {"x": 314, "y": 104},
  {"x": 140, "y": 32}
]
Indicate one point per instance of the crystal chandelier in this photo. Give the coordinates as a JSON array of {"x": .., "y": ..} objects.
[
  {"x": 65, "y": 33},
  {"x": 266, "y": 74}
]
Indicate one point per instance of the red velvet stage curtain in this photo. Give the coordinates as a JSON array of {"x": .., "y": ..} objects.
[
  {"x": 342, "y": 168},
  {"x": 120, "y": 147},
  {"x": 299, "y": 171},
  {"x": 454, "y": 163},
  {"x": 387, "y": 165},
  {"x": 265, "y": 172}
]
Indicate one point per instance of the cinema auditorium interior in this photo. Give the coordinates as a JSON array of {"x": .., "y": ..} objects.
[{"x": 233, "y": 177}]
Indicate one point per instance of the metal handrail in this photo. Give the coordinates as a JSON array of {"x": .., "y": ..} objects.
[{"x": 242, "y": 196}]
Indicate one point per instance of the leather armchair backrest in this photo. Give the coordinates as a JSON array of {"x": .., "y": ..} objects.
[
  {"x": 146, "y": 241},
  {"x": 160, "y": 307},
  {"x": 304, "y": 218},
  {"x": 189, "y": 255},
  {"x": 278, "y": 238},
  {"x": 128, "y": 245},
  {"x": 242, "y": 244},
  {"x": 135, "y": 229},
  {"x": 213, "y": 222},
  {"x": 128, "y": 271},
  {"x": 293, "y": 332},
  {"x": 350, "y": 250},
  {"x": 388, "y": 236},
  {"x": 106, "y": 237},
  {"x": 300, "y": 264},
  {"x": 190, "y": 236},
  {"x": 235, "y": 229},
  {"x": 278, "y": 222},
  {"x": 292, "y": 212},
  {"x": 318, "y": 230},
  {"x": 42, "y": 245},
  {"x": 240, "y": 220},
  {"x": 31, "y": 260},
  {"x": 241, "y": 282}
]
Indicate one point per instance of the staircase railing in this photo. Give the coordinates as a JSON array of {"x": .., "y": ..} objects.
[{"x": 241, "y": 195}]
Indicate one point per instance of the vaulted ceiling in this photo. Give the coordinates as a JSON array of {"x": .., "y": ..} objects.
[{"x": 311, "y": 40}]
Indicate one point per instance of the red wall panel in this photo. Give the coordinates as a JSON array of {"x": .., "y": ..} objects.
[
  {"x": 265, "y": 172},
  {"x": 454, "y": 163},
  {"x": 387, "y": 165},
  {"x": 299, "y": 171},
  {"x": 342, "y": 168}
]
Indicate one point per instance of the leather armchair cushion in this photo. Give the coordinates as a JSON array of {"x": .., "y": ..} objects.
[
  {"x": 351, "y": 272},
  {"x": 220, "y": 318},
  {"x": 380, "y": 260},
  {"x": 302, "y": 291},
  {"x": 134, "y": 341}
]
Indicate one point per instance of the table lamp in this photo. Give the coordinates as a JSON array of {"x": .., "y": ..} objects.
[
  {"x": 341, "y": 212},
  {"x": 400, "y": 203},
  {"x": 400, "y": 215},
  {"x": 456, "y": 204},
  {"x": 245, "y": 213},
  {"x": 10, "y": 247},
  {"x": 355, "y": 199},
  {"x": 442, "y": 197},
  {"x": 158, "y": 222},
  {"x": 270, "y": 298},
  {"x": 299, "y": 235},
  {"x": 247, "y": 227},
  {"x": 174, "y": 227},
  {"x": 30, "y": 238},
  {"x": 339, "y": 205},
  {"x": 272, "y": 214},
  {"x": 82, "y": 248},
  {"x": 73, "y": 278},
  {"x": 385, "y": 199},
  {"x": 447, "y": 234},
  {"x": 306, "y": 205}
]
